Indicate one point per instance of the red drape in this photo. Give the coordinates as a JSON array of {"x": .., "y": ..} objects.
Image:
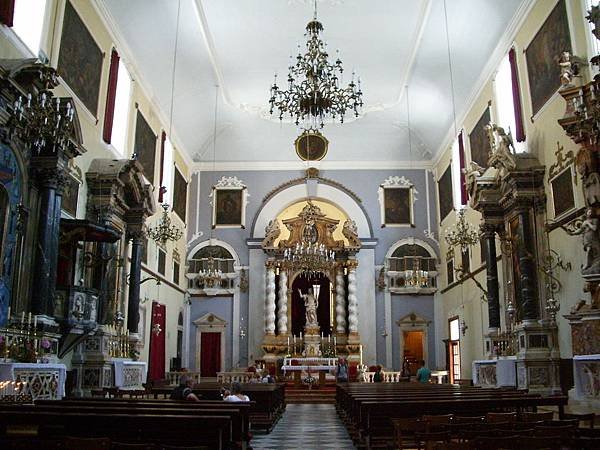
[
  {"x": 514, "y": 75},
  {"x": 111, "y": 94},
  {"x": 156, "y": 368},
  {"x": 7, "y": 12},
  {"x": 210, "y": 354},
  {"x": 461, "y": 158},
  {"x": 161, "y": 176}
]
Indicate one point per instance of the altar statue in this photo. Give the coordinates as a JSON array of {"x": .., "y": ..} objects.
[{"x": 311, "y": 304}]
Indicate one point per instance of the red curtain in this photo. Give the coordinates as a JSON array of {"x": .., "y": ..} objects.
[
  {"x": 156, "y": 369},
  {"x": 461, "y": 157},
  {"x": 111, "y": 94},
  {"x": 210, "y": 354},
  {"x": 514, "y": 75},
  {"x": 162, "y": 189},
  {"x": 7, "y": 12}
]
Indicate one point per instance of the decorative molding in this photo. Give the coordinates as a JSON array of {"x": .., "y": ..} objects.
[
  {"x": 397, "y": 182},
  {"x": 562, "y": 161},
  {"x": 302, "y": 180},
  {"x": 230, "y": 182},
  {"x": 236, "y": 166}
]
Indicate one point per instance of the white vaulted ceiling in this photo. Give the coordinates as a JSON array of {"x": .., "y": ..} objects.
[{"x": 240, "y": 44}]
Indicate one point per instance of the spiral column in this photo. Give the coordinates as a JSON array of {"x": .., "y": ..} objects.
[
  {"x": 270, "y": 302},
  {"x": 352, "y": 301},
  {"x": 282, "y": 309},
  {"x": 340, "y": 302}
]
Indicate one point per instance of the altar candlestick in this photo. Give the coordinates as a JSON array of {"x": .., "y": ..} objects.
[
  {"x": 361, "y": 354},
  {"x": 29, "y": 320},
  {"x": 301, "y": 335},
  {"x": 294, "y": 339},
  {"x": 34, "y": 323},
  {"x": 8, "y": 317},
  {"x": 22, "y": 318}
]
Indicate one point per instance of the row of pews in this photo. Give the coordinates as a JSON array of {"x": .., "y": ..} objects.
[
  {"x": 368, "y": 409},
  {"x": 210, "y": 423}
]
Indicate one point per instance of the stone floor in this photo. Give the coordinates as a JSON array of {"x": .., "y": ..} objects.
[{"x": 306, "y": 427}]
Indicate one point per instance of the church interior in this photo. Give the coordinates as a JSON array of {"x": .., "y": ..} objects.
[{"x": 379, "y": 220}]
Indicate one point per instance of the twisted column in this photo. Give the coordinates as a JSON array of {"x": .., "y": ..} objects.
[
  {"x": 282, "y": 303},
  {"x": 270, "y": 306},
  {"x": 352, "y": 301},
  {"x": 340, "y": 302},
  {"x": 493, "y": 287}
]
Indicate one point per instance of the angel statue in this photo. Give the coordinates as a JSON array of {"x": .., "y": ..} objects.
[
  {"x": 311, "y": 304},
  {"x": 471, "y": 174},
  {"x": 591, "y": 243}
]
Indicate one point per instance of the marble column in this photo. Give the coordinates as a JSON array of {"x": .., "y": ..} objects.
[
  {"x": 493, "y": 288},
  {"x": 525, "y": 248},
  {"x": 282, "y": 306},
  {"x": 50, "y": 183},
  {"x": 340, "y": 302},
  {"x": 135, "y": 274},
  {"x": 270, "y": 301},
  {"x": 352, "y": 301}
]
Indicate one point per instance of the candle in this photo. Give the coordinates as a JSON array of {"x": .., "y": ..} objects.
[
  {"x": 294, "y": 339},
  {"x": 360, "y": 347},
  {"x": 29, "y": 320},
  {"x": 288, "y": 341},
  {"x": 34, "y": 323},
  {"x": 8, "y": 316},
  {"x": 301, "y": 335},
  {"x": 22, "y": 318},
  {"x": 321, "y": 335}
]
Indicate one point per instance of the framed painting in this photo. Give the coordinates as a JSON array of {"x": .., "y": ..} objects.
[
  {"x": 450, "y": 271},
  {"x": 563, "y": 195},
  {"x": 478, "y": 140},
  {"x": 80, "y": 60},
  {"x": 445, "y": 193},
  {"x": 179, "y": 194},
  {"x": 145, "y": 146},
  {"x": 70, "y": 197},
  {"x": 228, "y": 207},
  {"x": 542, "y": 55},
  {"x": 396, "y": 197}
]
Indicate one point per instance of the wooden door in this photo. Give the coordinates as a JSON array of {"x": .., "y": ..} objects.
[{"x": 210, "y": 354}]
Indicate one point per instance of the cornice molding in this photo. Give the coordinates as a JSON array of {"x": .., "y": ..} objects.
[{"x": 243, "y": 166}]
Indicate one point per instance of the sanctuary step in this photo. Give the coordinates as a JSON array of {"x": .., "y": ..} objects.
[{"x": 316, "y": 395}]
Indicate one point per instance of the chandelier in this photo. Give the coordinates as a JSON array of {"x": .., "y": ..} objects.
[
  {"x": 415, "y": 277},
  {"x": 314, "y": 85},
  {"x": 210, "y": 277},
  {"x": 309, "y": 258},
  {"x": 164, "y": 230},
  {"x": 463, "y": 235},
  {"x": 42, "y": 121}
]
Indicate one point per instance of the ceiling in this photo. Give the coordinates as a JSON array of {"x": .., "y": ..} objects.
[{"x": 396, "y": 46}]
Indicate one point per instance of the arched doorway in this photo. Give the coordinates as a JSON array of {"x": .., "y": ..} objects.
[{"x": 302, "y": 283}]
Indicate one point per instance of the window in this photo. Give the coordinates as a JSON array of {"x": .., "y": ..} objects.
[
  {"x": 450, "y": 271},
  {"x": 28, "y": 22},
  {"x": 162, "y": 261},
  {"x": 459, "y": 193},
  {"x": 167, "y": 180},
  {"x": 121, "y": 110},
  {"x": 454, "y": 349},
  {"x": 175, "y": 272},
  {"x": 508, "y": 108}
]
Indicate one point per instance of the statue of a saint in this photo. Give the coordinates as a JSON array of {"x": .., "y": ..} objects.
[
  {"x": 311, "y": 304},
  {"x": 591, "y": 242}
]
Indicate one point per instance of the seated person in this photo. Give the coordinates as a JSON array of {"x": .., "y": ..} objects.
[
  {"x": 236, "y": 394},
  {"x": 255, "y": 378},
  {"x": 378, "y": 376},
  {"x": 184, "y": 390},
  {"x": 423, "y": 374}
]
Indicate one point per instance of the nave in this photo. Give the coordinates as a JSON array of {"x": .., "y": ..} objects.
[{"x": 306, "y": 426}]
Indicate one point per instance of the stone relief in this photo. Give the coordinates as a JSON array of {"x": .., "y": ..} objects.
[
  {"x": 272, "y": 232},
  {"x": 350, "y": 232},
  {"x": 486, "y": 375},
  {"x": 591, "y": 379}
]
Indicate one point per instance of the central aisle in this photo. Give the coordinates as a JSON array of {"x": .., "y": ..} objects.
[{"x": 306, "y": 427}]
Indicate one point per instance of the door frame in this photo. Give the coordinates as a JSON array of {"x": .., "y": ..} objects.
[
  {"x": 209, "y": 323},
  {"x": 451, "y": 342},
  {"x": 413, "y": 322}
]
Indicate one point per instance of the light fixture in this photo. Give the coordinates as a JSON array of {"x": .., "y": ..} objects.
[
  {"x": 164, "y": 230},
  {"x": 314, "y": 85},
  {"x": 43, "y": 122},
  {"x": 463, "y": 234},
  {"x": 210, "y": 277}
]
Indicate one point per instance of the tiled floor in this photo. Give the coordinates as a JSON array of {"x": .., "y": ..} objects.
[{"x": 306, "y": 427}]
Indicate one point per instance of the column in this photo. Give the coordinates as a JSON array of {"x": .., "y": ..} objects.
[
  {"x": 270, "y": 301},
  {"x": 340, "y": 302},
  {"x": 352, "y": 300},
  {"x": 493, "y": 289},
  {"x": 526, "y": 249},
  {"x": 135, "y": 274},
  {"x": 50, "y": 182},
  {"x": 282, "y": 303}
]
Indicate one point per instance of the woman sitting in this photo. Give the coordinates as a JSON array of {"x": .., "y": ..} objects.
[
  {"x": 236, "y": 394},
  {"x": 378, "y": 376}
]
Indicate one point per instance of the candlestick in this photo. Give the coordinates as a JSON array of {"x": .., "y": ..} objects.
[
  {"x": 29, "y": 320},
  {"x": 8, "y": 317},
  {"x": 22, "y": 318},
  {"x": 361, "y": 355}
]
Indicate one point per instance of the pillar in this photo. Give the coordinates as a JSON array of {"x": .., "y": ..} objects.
[
  {"x": 352, "y": 300},
  {"x": 493, "y": 288},
  {"x": 135, "y": 274},
  {"x": 282, "y": 307},
  {"x": 526, "y": 249},
  {"x": 340, "y": 302},
  {"x": 270, "y": 301}
]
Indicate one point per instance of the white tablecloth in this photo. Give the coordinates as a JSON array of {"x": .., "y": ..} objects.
[
  {"x": 307, "y": 368},
  {"x": 121, "y": 365},
  {"x": 8, "y": 369}
]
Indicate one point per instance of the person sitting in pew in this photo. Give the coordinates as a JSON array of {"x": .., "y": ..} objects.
[
  {"x": 378, "y": 375},
  {"x": 423, "y": 374},
  {"x": 184, "y": 390},
  {"x": 236, "y": 394}
]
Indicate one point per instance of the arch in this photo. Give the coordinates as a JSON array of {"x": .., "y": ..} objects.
[
  {"x": 410, "y": 241},
  {"x": 213, "y": 242},
  {"x": 324, "y": 192}
]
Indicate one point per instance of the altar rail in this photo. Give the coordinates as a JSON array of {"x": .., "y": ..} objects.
[
  {"x": 234, "y": 377},
  {"x": 388, "y": 377},
  {"x": 174, "y": 378}
]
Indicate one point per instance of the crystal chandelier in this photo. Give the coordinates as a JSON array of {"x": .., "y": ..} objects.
[
  {"x": 416, "y": 277},
  {"x": 310, "y": 259},
  {"x": 314, "y": 86},
  {"x": 463, "y": 235},
  {"x": 43, "y": 122},
  {"x": 210, "y": 277},
  {"x": 164, "y": 230}
]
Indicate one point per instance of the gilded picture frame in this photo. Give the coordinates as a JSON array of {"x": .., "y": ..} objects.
[{"x": 229, "y": 206}]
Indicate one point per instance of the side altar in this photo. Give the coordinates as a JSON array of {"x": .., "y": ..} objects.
[{"x": 311, "y": 301}]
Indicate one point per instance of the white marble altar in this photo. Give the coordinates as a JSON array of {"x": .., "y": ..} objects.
[
  {"x": 495, "y": 372},
  {"x": 41, "y": 381},
  {"x": 129, "y": 374}
]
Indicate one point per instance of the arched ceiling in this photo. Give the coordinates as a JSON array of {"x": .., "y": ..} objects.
[{"x": 239, "y": 44}]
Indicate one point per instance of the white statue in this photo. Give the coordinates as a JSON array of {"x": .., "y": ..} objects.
[
  {"x": 471, "y": 174},
  {"x": 591, "y": 242},
  {"x": 566, "y": 69},
  {"x": 311, "y": 304}
]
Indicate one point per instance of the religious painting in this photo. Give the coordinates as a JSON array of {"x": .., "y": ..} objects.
[
  {"x": 450, "y": 271},
  {"x": 479, "y": 142},
  {"x": 70, "y": 197},
  {"x": 397, "y": 206},
  {"x": 80, "y": 60},
  {"x": 561, "y": 188},
  {"x": 445, "y": 193},
  {"x": 179, "y": 194},
  {"x": 228, "y": 207},
  {"x": 145, "y": 146},
  {"x": 542, "y": 55}
]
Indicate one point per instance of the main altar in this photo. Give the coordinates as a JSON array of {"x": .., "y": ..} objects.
[{"x": 311, "y": 302}]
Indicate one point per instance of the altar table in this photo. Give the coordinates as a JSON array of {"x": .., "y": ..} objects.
[
  {"x": 299, "y": 365},
  {"x": 41, "y": 381},
  {"x": 129, "y": 374},
  {"x": 495, "y": 372}
]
